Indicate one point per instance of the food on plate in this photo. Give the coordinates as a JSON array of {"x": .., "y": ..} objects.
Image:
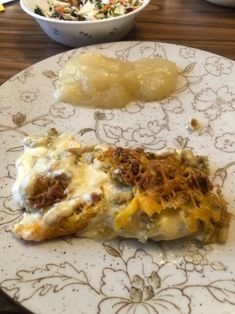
[
  {"x": 102, "y": 192},
  {"x": 87, "y": 10},
  {"x": 95, "y": 80},
  {"x": 193, "y": 125}
]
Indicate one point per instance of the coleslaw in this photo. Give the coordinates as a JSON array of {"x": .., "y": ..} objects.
[{"x": 86, "y": 10}]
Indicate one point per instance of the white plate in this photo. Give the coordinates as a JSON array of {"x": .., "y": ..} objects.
[
  {"x": 83, "y": 276},
  {"x": 6, "y": 1}
]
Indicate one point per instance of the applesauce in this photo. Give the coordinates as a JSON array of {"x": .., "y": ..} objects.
[{"x": 94, "y": 80}]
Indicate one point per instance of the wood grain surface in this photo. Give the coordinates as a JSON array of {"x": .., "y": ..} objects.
[{"x": 194, "y": 23}]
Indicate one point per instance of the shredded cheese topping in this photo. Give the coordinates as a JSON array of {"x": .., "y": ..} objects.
[{"x": 103, "y": 192}]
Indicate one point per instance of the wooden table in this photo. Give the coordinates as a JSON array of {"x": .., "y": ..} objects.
[{"x": 188, "y": 22}]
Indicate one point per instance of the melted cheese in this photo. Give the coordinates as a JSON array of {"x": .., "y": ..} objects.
[
  {"x": 60, "y": 210},
  {"x": 124, "y": 217},
  {"x": 122, "y": 209},
  {"x": 85, "y": 179},
  {"x": 53, "y": 156}
]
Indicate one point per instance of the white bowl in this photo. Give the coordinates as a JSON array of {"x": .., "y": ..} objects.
[
  {"x": 82, "y": 33},
  {"x": 227, "y": 3}
]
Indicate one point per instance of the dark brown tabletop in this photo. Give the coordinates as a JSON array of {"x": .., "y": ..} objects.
[{"x": 193, "y": 23}]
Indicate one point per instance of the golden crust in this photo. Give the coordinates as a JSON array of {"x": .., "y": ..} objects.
[
  {"x": 170, "y": 181},
  {"x": 39, "y": 231}
]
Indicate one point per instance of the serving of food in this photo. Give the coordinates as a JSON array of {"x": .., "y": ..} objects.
[
  {"x": 95, "y": 80},
  {"x": 104, "y": 192},
  {"x": 126, "y": 207},
  {"x": 87, "y": 10}
]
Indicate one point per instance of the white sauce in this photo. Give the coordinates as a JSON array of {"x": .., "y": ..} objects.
[
  {"x": 51, "y": 156},
  {"x": 86, "y": 179},
  {"x": 53, "y": 159},
  {"x": 60, "y": 210}
]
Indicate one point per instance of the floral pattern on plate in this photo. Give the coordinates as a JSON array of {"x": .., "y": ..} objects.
[{"x": 122, "y": 276}]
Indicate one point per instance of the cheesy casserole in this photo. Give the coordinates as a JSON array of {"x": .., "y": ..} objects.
[{"x": 102, "y": 192}]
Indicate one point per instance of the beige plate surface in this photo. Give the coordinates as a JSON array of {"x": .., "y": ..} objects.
[{"x": 75, "y": 275}]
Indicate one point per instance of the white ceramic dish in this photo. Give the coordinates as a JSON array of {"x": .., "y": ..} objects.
[
  {"x": 82, "y": 33},
  {"x": 226, "y": 3},
  {"x": 6, "y": 1},
  {"x": 74, "y": 275}
]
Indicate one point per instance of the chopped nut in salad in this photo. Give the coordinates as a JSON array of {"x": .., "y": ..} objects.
[{"x": 87, "y": 10}]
